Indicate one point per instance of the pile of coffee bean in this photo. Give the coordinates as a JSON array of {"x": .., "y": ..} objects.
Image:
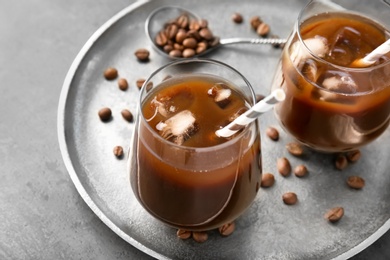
[
  {"x": 284, "y": 168},
  {"x": 185, "y": 37}
]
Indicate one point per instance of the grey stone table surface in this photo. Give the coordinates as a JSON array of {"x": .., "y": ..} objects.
[{"x": 42, "y": 215}]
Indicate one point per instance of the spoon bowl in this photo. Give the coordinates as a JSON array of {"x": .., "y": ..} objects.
[{"x": 161, "y": 16}]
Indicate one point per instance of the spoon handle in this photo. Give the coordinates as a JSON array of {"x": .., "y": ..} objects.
[{"x": 252, "y": 41}]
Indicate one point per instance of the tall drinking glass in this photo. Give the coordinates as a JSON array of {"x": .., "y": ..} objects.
[
  {"x": 181, "y": 172},
  {"x": 331, "y": 103}
]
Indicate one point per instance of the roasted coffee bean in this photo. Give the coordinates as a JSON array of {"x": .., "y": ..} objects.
[
  {"x": 263, "y": 29},
  {"x": 214, "y": 42},
  {"x": 353, "y": 156},
  {"x": 183, "y": 21},
  {"x": 127, "y": 115},
  {"x": 206, "y": 34},
  {"x": 177, "y": 46},
  {"x": 227, "y": 229},
  {"x": 183, "y": 234},
  {"x": 295, "y": 149},
  {"x": 255, "y": 21},
  {"x": 203, "y": 23},
  {"x": 194, "y": 25},
  {"x": 118, "y": 151},
  {"x": 105, "y": 114},
  {"x": 200, "y": 236},
  {"x": 167, "y": 48},
  {"x": 188, "y": 53},
  {"x": 194, "y": 34},
  {"x": 201, "y": 47},
  {"x": 190, "y": 43},
  {"x": 237, "y": 18},
  {"x": 142, "y": 54},
  {"x": 123, "y": 84},
  {"x": 267, "y": 180},
  {"x": 355, "y": 182},
  {"x": 171, "y": 31},
  {"x": 290, "y": 198},
  {"x": 180, "y": 36},
  {"x": 334, "y": 214},
  {"x": 272, "y": 133},
  {"x": 341, "y": 162},
  {"x": 277, "y": 45},
  {"x": 175, "y": 53},
  {"x": 284, "y": 167},
  {"x": 161, "y": 38},
  {"x": 139, "y": 83},
  {"x": 300, "y": 170},
  {"x": 110, "y": 73}
]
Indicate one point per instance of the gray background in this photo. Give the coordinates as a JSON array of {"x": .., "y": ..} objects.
[{"x": 41, "y": 214}]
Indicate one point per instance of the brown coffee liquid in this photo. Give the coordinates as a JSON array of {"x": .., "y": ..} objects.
[
  {"x": 351, "y": 114},
  {"x": 216, "y": 187}
]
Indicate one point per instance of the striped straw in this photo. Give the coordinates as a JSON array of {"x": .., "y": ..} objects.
[
  {"x": 249, "y": 116},
  {"x": 373, "y": 56}
]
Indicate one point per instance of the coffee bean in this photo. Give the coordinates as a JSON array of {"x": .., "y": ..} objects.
[
  {"x": 203, "y": 23},
  {"x": 188, "y": 53},
  {"x": 295, "y": 149},
  {"x": 180, "y": 36},
  {"x": 263, "y": 29},
  {"x": 167, "y": 48},
  {"x": 123, "y": 84},
  {"x": 194, "y": 25},
  {"x": 206, "y": 34},
  {"x": 171, "y": 31},
  {"x": 227, "y": 229},
  {"x": 161, "y": 38},
  {"x": 200, "y": 236},
  {"x": 300, "y": 170},
  {"x": 142, "y": 54},
  {"x": 194, "y": 34},
  {"x": 277, "y": 45},
  {"x": 272, "y": 133},
  {"x": 139, "y": 83},
  {"x": 105, "y": 114},
  {"x": 177, "y": 46},
  {"x": 284, "y": 167},
  {"x": 201, "y": 47},
  {"x": 353, "y": 156},
  {"x": 118, "y": 151},
  {"x": 255, "y": 21},
  {"x": 127, "y": 115},
  {"x": 190, "y": 43},
  {"x": 341, "y": 162},
  {"x": 175, "y": 53},
  {"x": 110, "y": 73},
  {"x": 214, "y": 42},
  {"x": 183, "y": 21},
  {"x": 183, "y": 234},
  {"x": 334, "y": 214},
  {"x": 267, "y": 180},
  {"x": 237, "y": 18},
  {"x": 355, "y": 182},
  {"x": 290, "y": 198}
]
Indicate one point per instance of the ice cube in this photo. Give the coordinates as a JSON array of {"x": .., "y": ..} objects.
[
  {"x": 179, "y": 127},
  {"x": 221, "y": 94},
  {"x": 345, "y": 43},
  {"x": 310, "y": 70},
  {"x": 317, "y": 46},
  {"x": 340, "y": 84}
]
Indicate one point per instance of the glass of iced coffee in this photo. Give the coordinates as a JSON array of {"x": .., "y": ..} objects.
[
  {"x": 333, "y": 103},
  {"x": 181, "y": 172}
]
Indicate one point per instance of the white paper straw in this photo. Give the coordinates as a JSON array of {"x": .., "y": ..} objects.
[
  {"x": 374, "y": 55},
  {"x": 254, "y": 112}
]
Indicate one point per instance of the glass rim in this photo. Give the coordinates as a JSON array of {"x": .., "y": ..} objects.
[
  {"x": 300, "y": 21},
  {"x": 229, "y": 142}
]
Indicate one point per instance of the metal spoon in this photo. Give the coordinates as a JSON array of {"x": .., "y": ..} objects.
[{"x": 159, "y": 17}]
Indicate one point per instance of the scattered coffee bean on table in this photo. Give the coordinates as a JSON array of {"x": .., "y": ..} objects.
[
  {"x": 200, "y": 236},
  {"x": 110, "y": 73},
  {"x": 341, "y": 162},
  {"x": 300, "y": 170},
  {"x": 237, "y": 18},
  {"x": 127, "y": 115},
  {"x": 139, "y": 83},
  {"x": 105, "y": 114},
  {"x": 183, "y": 234},
  {"x": 295, "y": 149},
  {"x": 227, "y": 229},
  {"x": 355, "y": 182},
  {"x": 123, "y": 84},
  {"x": 272, "y": 133},
  {"x": 290, "y": 198},
  {"x": 263, "y": 29},
  {"x": 255, "y": 21},
  {"x": 334, "y": 214},
  {"x": 277, "y": 45},
  {"x": 267, "y": 180},
  {"x": 353, "y": 156},
  {"x": 284, "y": 167},
  {"x": 118, "y": 151},
  {"x": 142, "y": 54}
]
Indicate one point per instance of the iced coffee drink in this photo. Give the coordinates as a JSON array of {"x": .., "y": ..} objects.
[
  {"x": 332, "y": 103},
  {"x": 184, "y": 174}
]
